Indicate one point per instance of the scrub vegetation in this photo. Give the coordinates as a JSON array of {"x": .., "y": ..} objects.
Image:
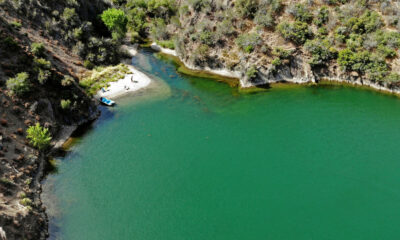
[
  {"x": 100, "y": 77},
  {"x": 358, "y": 36}
]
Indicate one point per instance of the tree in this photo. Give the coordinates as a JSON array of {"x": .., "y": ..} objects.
[
  {"x": 320, "y": 50},
  {"x": 363, "y": 62},
  {"x": 39, "y": 136},
  {"x": 115, "y": 20}
]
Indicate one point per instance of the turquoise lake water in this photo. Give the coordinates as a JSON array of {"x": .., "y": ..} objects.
[{"x": 194, "y": 159}]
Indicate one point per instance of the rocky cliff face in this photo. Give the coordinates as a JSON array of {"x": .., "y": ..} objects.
[
  {"x": 268, "y": 41},
  {"x": 54, "y": 98}
]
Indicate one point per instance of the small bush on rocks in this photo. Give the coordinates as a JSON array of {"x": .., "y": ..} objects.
[
  {"x": 37, "y": 49},
  {"x": 65, "y": 104},
  {"x": 39, "y": 136},
  {"x": 19, "y": 85}
]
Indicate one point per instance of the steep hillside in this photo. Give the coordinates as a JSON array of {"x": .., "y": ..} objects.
[
  {"x": 276, "y": 40},
  {"x": 45, "y": 47}
]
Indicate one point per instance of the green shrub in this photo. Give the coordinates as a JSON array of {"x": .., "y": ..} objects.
[
  {"x": 19, "y": 85},
  {"x": 300, "y": 12},
  {"x": 276, "y": 62},
  {"x": 275, "y": 6},
  {"x": 16, "y": 25},
  {"x": 346, "y": 59},
  {"x": 377, "y": 69},
  {"x": 340, "y": 34},
  {"x": 264, "y": 19},
  {"x": 251, "y": 72},
  {"x": 335, "y": 2},
  {"x": 158, "y": 29},
  {"x": 201, "y": 52},
  {"x": 26, "y": 201},
  {"x": 9, "y": 43},
  {"x": 281, "y": 53},
  {"x": 137, "y": 20},
  {"x": 390, "y": 39},
  {"x": 101, "y": 77},
  {"x": 198, "y": 5},
  {"x": 246, "y": 8},
  {"x": 162, "y": 8},
  {"x": 355, "y": 41},
  {"x": 39, "y": 136},
  {"x": 206, "y": 37},
  {"x": 322, "y": 32},
  {"x": 386, "y": 52},
  {"x": 225, "y": 28},
  {"x": 65, "y": 104},
  {"x": 78, "y": 33},
  {"x": 322, "y": 16},
  {"x": 368, "y": 22},
  {"x": 166, "y": 44},
  {"x": 363, "y": 62},
  {"x": 88, "y": 64},
  {"x": 392, "y": 77},
  {"x": 321, "y": 51},
  {"x": 37, "y": 49},
  {"x": 298, "y": 32},
  {"x": 67, "y": 81},
  {"x": 69, "y": 16},
  {"x": 248, "y": 41},
  {"x": 43, "y": 76},
  {"x": 42, "y": 63}
]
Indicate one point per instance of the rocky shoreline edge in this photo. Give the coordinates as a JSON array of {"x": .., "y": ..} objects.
[
  {"x": 18, "y": 220},
  {"x": 299, "y": 73}
]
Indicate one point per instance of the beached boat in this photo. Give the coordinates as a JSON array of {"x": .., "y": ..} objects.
[{"x": 107, "y": 102}]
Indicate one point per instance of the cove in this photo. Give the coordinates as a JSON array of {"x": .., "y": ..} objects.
[{"x": 201, "y": 160}]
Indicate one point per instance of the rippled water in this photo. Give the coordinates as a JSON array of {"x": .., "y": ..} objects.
[{"x": 195, "y": 159}]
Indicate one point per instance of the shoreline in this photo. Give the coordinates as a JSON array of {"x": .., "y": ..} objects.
[
  {"x": 116, "y": 90},
  {"x": 237, "y": 75},
  {"x": 65, "y": 133},
  {"x": 132, "y": 82},
  {"x": 220, "y": 72}
]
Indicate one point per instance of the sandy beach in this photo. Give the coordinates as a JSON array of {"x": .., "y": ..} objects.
[
  {"x": 131, "y": 83},
  {"x": 221, "y": 72},
  {"x": 158, "y": 48}
]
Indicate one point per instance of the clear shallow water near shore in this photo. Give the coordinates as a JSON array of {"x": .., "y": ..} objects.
[{"x": 198, "y": 160}]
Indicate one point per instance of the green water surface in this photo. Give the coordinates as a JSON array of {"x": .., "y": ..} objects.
[{"x": 201, "y": 161}]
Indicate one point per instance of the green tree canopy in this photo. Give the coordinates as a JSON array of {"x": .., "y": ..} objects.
[{"x": 115, "y": 20}]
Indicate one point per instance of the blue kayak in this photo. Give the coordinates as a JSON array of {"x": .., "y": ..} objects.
[{"x": 106, "y": 101}]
